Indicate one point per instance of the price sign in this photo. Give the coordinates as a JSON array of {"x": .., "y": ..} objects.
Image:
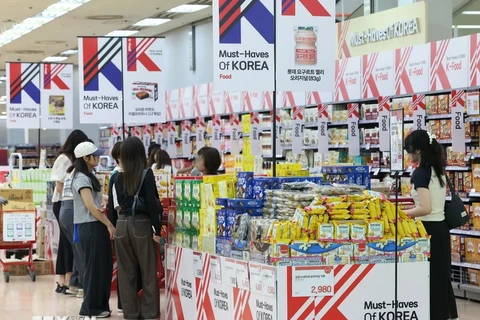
[
  {"x": 229, "y": 272},
  {"x": 268, "y": 281},
  {"x": 255, "y": 270},
  {"x": 396, "y": 140},
  {"x": 243, "y": 281},
  {"x": 215, "y": 269},
  {"x": 255, "y": 133},
  {"x": 171, "y": 257},
  {"x": 186, "y": 133},
  {"x": 235, "y": 136},
  {"x": 217, "y": 132},
  {"x": 457, "y": 104},
  {"x": 171, "y": 145},
  {"x": 384, "y": 123},
  {"x": 200, "y": 133},
  {"x": 419, "y": 107},
  {"x": 323, "y": 128},
  {"x": 353, "y": 132},
  {"x": 298, "y": 122},
  {"x": 313, "y": 281},
  {"x": 198, "y": 264}
]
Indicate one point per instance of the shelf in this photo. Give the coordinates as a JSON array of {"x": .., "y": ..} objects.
[
  {"x": 338, "y": 146},
  {"x": 473, "y": 118},
  {"x": 380, "y": 170},
  {"x": 449, "y": 141},
  {"x": 457, "y": 168},
  {"x": 369, "y": 146},
  {"x": 336, "y": 124},
  {"x": 439, "y": 116},
  {"x": 465, "y": 232},
  {"x": 449, "y": 198},
  {"x": 373, "y": 121},
  {"x": 466, "y": 265},
  {"x": 408, "y": 119},
  {"x": 474, "y": 194}
]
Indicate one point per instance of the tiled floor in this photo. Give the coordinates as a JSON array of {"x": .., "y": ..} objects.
[{"x": 21, "y": 299}]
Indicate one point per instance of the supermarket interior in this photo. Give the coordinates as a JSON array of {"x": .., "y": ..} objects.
[{"x": 312, "y": 159}]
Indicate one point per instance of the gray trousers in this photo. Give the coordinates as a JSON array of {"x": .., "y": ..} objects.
[
  {"x": 134, "y": 247},
  {"x": 66, "y": 224}
]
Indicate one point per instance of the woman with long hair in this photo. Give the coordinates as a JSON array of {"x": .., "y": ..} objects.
[
  {"x": 164, "y": 162},
  {"x": 64, "y": 264},
  {"x": 429, "y": 192},
  {"x": 134, "y": 239},
  {"x": 152, "y": 153},
  {"x": 94, "y": 230}
]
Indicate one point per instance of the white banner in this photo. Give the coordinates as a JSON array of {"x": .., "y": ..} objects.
[
  {"x": 348, "y": 81},
  {"x": 377, "y": 75},
  {"x": 457, "y": 103},
  {"x": 217, "y": 133},
  {"x": 323, "y": 128},
  {"x": 186, "y": 134},
  {"x": 23, "y": 95},
  {"x": 396, "y": 140},
  {"x": 56, "y": 101},
  {"x": 306, "y": 29},
  {"x": 158, "y": 133},
  {"x": 200, "y": 133},
  {"x": 100, "y": 79},
  {"x": 147, "y": 135},
  {"x": 419, "y": 107},
  {"x": 236, "y": 129},
  {"x": 384, "y": 123},
  {"x": 353, "y": 132},
  {"x": 243, "y": 45},
  {"x": 144, "y": 80},
  {"x": 412, "y": 66},
  {"x": 298, "y": 123},
  {"x": 255, "y": 136},
  {"x": 449, "y": 64},
  {"x": 171, "y": 136}
]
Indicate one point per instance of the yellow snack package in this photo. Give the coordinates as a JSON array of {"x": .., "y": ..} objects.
[
  {"x": 326, "y": 232},
  {"x": 338, "y": 205},
  {"x": 338, "y": 212},
  {"x": 360, "y": 216},
  {"x": 402, "y": 214},
  {"x": 334, "y": 199},
  {"x": 413, "y": 228},
  {"x": 296, "y": 230},
  {"x": 342, "y": 231},
  {"x": 356, "y": 197},
  {"x": 361, "y": 204},
  {"x": 392, "y": 229},
  {"x": 360, "y": 211},
  {"x": 373, "y": 210},
  {"x": 358, "y": 232},
  {"x": 375, "y": 229},
  {"x": 401, "y": 231},
  {"x": 326, "y": 218},
  {"x": 345, "y": 216},
  {"x": 386, "y": 223},
  {"x": 377, "y": 205},
  {"x": 313, "y": 227},
  {"x": 287, "y": 230},
  {"x": 421, "y": 229},
  {"x": 388, "y": 211},
  {"x": 317, "y": 209},
  {"x": 406, "y": 228},
  {"x": 277, "y": 233}
]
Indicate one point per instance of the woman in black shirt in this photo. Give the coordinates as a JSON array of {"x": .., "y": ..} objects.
[{"x": 133, "y": 239}]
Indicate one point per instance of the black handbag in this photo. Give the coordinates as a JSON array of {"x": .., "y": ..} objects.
[
  {"x": 455, "y": 213},
  {"x": 140, "y": 203}
]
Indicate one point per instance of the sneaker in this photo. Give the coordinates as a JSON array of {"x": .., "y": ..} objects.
[
  {"x": 72, "y": 291},
  {"x": 120, "y": 311},
  {"x": 80, "y": 293},
  {"x": 104, "y": 314},
  {"x": 59, "y": 288}
]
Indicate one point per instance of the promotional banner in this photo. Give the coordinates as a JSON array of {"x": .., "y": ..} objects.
[
  {"x": 449, "y": 64},
  {"x": 235, "y": 134},
  {"x": 217, "y": 132},
  {"x": 457, "y": 104},
  {"x": 298, "y": 123},
  {"x": 267, "y": 100},
  {"x": 171, "y": 143},
  {"x": 144, "y": 80},
  {"x": 251, "y": 101},
  {"x": 56, "y": 101},
  {"x": 255, "y": 137},
  {"x": 290, "y": 99},
  {"x": 396, "y": 140},
  {"x": 23, "y": 95},
  {"x": 200, "y": 100},
  {"x": 314, "y": 98},
  {"x": 306, "y": 59},
  {"x": 200, "y": 132},
  {"x": 278, "y": 129},
  {"x": 215, "y": 100},
  {"x": 101, "y": 77},
  {"x": 474, "y": 74},
  {"x": 419, "y": 111},
  {"x": 171, "y": 101},
  {"x": 147, "y": 135},
  {"x": 377, "y": 75},
  {"x": 233, "y": 102},
  {"x": 186, "y": 134},
  {"x": 158, "y": 133},
  {"x": 348, "y": 79},
  {"x": 243, "y": 45},
  {"x": 185, "y": 103},
  {"x": 384, "y": 123},
  {"x": 412, "y": 69},
  {"x": 353, "y": 132},
  {"x": 323, "y": 128}
]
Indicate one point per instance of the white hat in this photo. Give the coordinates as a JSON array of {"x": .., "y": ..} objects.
[{"x": 87, "y": 148}]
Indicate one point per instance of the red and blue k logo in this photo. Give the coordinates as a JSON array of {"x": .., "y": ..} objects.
[
  {"x": 315, "y": 8},
  {"x": 136, "y": 53},
  {"x": 51, "y": 74},
  {"x": 23, "y": 81}
]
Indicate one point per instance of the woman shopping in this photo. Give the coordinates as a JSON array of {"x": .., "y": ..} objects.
[
  {"x": 64, "y": 265},
  {"x": 134, "y": 240},
  {"x": 94, "y": 230},
  {"x": 429, "y": 192}
]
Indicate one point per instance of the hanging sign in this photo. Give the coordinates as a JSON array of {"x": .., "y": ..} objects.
[
  {"x": 23, "y": 95},
  {"x": 348, "y": 79},
  {"x": 251, "y": 101},
  {"x": 449, "y": 64},
  {"x": 396, "y": 140},
  {"x": 171, "y": 136},
  {"x": 200, "y": 132},
  {"x": 314, "y": 98},
  {"x": 147, "y": 135},
  {"x": 158, "y": 133},
  {"x": 19, "y": 226},
  {"x": 298, "y": 123},
  {"x": 457, "y": 104},
  {"x": 200, "y": 100},
  {"x": 101, "y": 79},
  {"x": 323, "y": 128},
  {"x": 289, "y": 99},
  {"x": 419, "y": 108},
  {"x": 307, "y": 27},
  {"x": 474, "y": 74},
  {"x": 136, "y": 132},
  {"x": 144, "y": 80},
  {"x": 235, "y": 134},
  {"x": 384, "y": 123},
  {"x": 171, "y": 101},
  {"x": 256, "y": 130},
  {"x": 243, "y": 45},
  {"x": 185, "y": 103},
  {"x": 56, "y": 101},
  {"x": 313, "y": 281},
  {"x": 186, "y": 133},
  {"x": 233, "y": 102},
  {"x": 412, "y": 69},
  {"x": 278, "y": 130},
  {"x": 377, "y": 75},
  {"x": 267, "y": 101},
  {"x": 353, "y": 132},
  {"x": 217, "y": 132}
]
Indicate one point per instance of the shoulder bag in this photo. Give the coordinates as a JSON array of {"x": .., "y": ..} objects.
[
  {"x": 140, "y": 203},
  {"x": 455, "y": 213}
]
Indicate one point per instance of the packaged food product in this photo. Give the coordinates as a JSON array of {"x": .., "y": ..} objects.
[
  {"x": 342, "y": 231},
  {"x": 195, "y": 220},
  {"x": 340, "y": 217},
  {"x": 305, "y": 45},
  {"x": 187, "y": 192},
  {"x": 375, "y": 229},
  {"x": 179, "y": 218},
  {"x": 196, "y": 192},
  {"x": 231, "y": 216},
  {"x": 259, "y": 229},
  {"x": 187, "y": 218},
  {"x": 326, "y": 232},
  {"x": 421, "y": 229},
  {"x": 313, "y": 227},
  {"x": 240, "y": 230},
  {"x": 338, "y": 205},
  {"x": 317, "y": 209},
  {"x": 358, "y": 232}
]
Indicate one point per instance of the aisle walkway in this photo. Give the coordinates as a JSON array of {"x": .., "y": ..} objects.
[{"x": 21, "y": 299}]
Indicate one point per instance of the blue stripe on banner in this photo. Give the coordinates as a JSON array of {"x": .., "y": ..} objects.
[
  {"x": 113, "y": 74},
  {"x": 33, "y": 91},
  {"x": 262, "y": 20}
]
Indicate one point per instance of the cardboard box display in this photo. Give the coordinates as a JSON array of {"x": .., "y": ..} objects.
[
  {"x": 471, "y": 247},
  {"x": 41, "y": 266},
  {"x": 17, "y": 195},
  {"x": 432, "y": 105},
  {"x": 476, "y": 176},
  {"x": 473, "y": 277},
  {"x": 24, "y": 206}
]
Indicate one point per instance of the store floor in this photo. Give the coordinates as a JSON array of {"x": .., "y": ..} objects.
[{"x": 21, "y": 299}]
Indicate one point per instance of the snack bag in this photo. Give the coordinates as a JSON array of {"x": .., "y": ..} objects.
[
  {"x": 342, "y": 231},
  {"x": 375, "y": 229},
  {"x": 317, "y": 209},
  {"x": 326, "y": 232},
  {"x": 358, "y": 233},
  {"x": 221, "y": 223}
]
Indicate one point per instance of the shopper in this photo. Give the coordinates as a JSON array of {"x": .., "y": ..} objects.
[
  {"x": 152, "y": 153},
  {"x": 133, "y": 239},
  {"x": 209, "y": 161},
  {"x": 194, "y": 171},
  {"x": 429, "y": 191},
  {"x": 64, "y": 264},
  {"x": 94, "y": 231}
]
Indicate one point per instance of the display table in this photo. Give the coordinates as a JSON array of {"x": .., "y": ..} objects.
[{"x": 204, "y": 286}]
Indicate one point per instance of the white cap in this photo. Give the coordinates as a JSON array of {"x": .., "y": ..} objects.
[{"x": 87, "y": 148}]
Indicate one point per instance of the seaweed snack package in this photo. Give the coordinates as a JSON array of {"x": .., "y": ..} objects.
[
  {"x": 209, "y": 222},
  {"x": 195, "y": 220},
  {"x": 179, "y": 218},
  {"x": 187, "y": 192},
  {"x": 196, "y": 192},
  {"x": 179, "y": 191},
  {"x": 342, "y": 231}
]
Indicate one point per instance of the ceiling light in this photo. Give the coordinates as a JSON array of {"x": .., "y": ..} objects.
[
  {"x": 151, "y": 22},
  {"x": 468, "y": 26},
  {"x": 121, "y": 33},
  {"x": 69, "y": 52},
  {"x": 54, "y": 59},
  {"x": 471, "y": 12},
  {"x": 3, "y": 98},
  {"x": 188, "y": 8},
  {"x": 4, "y": 112}
]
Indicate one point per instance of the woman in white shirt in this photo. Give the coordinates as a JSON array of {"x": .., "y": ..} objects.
[
  {"x": 64, "y": 265},
  {"x": 163, "y": 162},
  {"x": 429, "y": 193}
]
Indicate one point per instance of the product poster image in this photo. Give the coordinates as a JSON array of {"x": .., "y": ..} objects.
[
  {"x": 143, "y": 77},
  {"x": 243, "y": 45},
  {"x": 306, "y": 38},
  {"x": 100, "y": 83},
  {"x": 23, "y": 95},
  {"x": 56, "y": 101}
]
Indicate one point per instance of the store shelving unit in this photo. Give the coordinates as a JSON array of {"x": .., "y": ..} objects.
[{"x": 31, "y": 154}]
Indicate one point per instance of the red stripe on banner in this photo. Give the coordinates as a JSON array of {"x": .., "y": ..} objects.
[
  {"x": 57, "y": 80},
  {"x": 90, "y": 52},
  {"x": 211, "y": 103},
  {"x": 384, "y": 103},
  {"x": 267, "y": 100},
  {"x": 402, "y": 57},
  {"x": 176, "y": 293},
  {"x": 247, "y": 103},
  {"x": 338, "y": 284},
  {"x": 418, "y": 102},
  {"x": 228, "y": 107},
  {"x": 341, "y": 92},
  {"x": 474, "y": 60},
  {"x": 234, "y": 16},
  {"x": 342, "y": 30},
  {"x": 16, "y": 76}
]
